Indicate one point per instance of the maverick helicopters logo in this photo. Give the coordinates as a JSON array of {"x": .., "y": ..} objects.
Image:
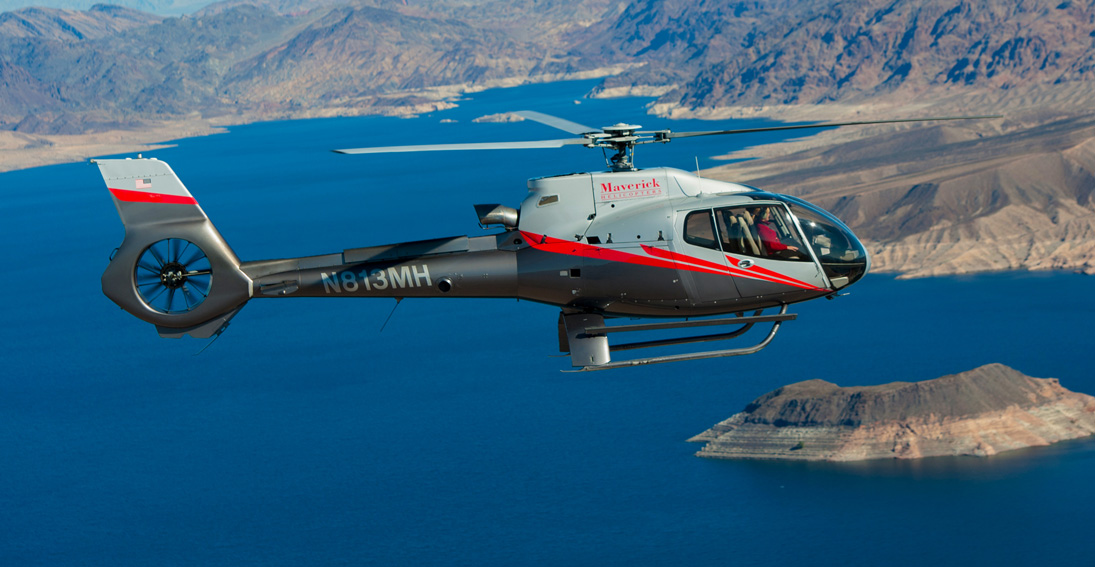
[{"x": 648, "y": 187}]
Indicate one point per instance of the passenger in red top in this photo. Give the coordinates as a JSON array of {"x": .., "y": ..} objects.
[{"x": 768, "y": 235}]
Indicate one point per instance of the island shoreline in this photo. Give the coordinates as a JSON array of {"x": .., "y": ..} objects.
[{"x": 981, "y": 412}]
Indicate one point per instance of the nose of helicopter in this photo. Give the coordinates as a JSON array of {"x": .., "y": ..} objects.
[{"x": 849, "y": 267}]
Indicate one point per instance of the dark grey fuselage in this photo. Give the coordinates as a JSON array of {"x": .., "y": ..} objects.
[
  {"x": 611, "y": 243},
  {"x": 505, "y": 266}
]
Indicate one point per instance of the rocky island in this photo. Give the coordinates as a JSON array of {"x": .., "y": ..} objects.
[{"x": 981, "y": 412}]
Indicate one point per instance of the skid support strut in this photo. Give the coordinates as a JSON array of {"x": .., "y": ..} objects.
[{"x": 585, "y": 336}]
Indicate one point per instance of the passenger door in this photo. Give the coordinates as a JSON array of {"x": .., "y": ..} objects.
[{"x": 702, "y": 266}]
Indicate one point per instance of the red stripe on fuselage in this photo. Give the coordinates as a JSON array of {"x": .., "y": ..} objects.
[
  {"x": 146, "y": 197},
  {"x": 683, "y": 259},
  {"x": 771, "y": 276},
  {"x": 659, "y": 258},
  {"x": 753, "y": 273},
  {"x": 573, "y": 248}
]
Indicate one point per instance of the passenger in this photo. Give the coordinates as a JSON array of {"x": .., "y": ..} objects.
[{"x": 762, "y": 218}]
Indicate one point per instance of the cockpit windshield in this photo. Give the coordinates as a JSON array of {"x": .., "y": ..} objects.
[{"x": 840, "y": 252}]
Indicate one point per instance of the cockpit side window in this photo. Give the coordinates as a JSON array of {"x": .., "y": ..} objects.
[
  {"x": 763, "y": 231},
  {"x": 699, "y": 230}
]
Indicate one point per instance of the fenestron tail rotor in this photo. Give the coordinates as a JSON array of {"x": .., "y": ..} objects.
[
  {"x": 621, "y": 138},
  {"x": 173, "y": 276}
]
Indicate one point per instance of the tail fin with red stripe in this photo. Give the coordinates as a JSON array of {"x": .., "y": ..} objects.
[{"x": 173, "y": 269}]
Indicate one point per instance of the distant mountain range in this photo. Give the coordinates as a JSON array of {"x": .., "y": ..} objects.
[
  {"x": 65, "y": 71},
  {"x": 161, "y": 7}
]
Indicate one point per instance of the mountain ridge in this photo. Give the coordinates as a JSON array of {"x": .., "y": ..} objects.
[{"x": 702, "y": 58}]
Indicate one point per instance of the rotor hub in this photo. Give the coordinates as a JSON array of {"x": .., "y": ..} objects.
[
  {"x": 173, "y": 275},
  {"x": 621, "y": 129}
]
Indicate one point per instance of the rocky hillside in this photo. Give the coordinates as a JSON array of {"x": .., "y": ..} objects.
[
  {"x": 147, "y": 70},
  {"x": 897, "y": 52},
  {"x": 69, "y": 72},
  {"x": 162, "y": 7},
  {"x": 980, "y": 412},
  {"x": 677, "y": 39},
  {"x": 99, "y": 22},
  {"x": 308, "y": 57},
  {"x": 354, "y": 52}
]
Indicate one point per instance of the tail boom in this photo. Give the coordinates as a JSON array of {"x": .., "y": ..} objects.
[{"x": 484, "y": 266}]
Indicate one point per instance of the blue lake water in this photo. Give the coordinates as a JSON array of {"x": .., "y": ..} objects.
[{"x": 304, "y": 435}]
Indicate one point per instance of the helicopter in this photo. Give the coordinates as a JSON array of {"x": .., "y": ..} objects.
[{"x": 652, "y": 243}]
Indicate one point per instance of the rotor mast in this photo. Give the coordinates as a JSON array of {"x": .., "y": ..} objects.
[{"x": 622, "y": 138}]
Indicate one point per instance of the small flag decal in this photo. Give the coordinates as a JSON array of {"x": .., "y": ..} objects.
[{"x": 144, "y": 184}]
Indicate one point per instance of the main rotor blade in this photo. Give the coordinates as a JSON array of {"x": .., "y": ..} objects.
[
  {"x": 666, "y": 134},
  {"x": 556, "y": 122},
  {"x": 469, "y": 146}
]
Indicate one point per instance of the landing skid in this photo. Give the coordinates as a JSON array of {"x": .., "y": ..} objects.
[{"x": 585, "y": 336}]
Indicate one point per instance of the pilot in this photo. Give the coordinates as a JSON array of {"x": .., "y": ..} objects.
[{"x": 762, "y": 218}]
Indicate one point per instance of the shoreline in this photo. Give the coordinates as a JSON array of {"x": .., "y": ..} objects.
[
  {"x": 25, "y": 151},
  {"x": 981, "y": 412}
]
